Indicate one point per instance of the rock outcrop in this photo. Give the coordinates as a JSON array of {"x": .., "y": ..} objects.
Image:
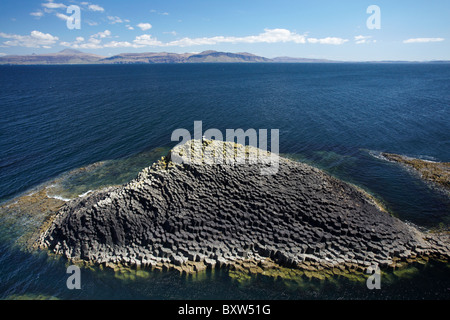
[
  {"x": 435, "y": 172},
  {"x": 205, "y": 215}
]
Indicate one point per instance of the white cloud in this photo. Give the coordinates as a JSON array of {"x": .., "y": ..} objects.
[
  {"x": 36, "y": 39},
  {"x": 174, "y": 33},
  {"x": 90, "y": 45},
  {"x": 129, "y": 27},
  {"x": 268, "y": 36},
  {"x": 119, "y": 44},
  {"x": 91, "y": 23},
  {"x": 328, "y": 40},
  {"x": 42, "y": 36},
  {"x": 95, "y": 7},
  {"x": 94, "y": 41},
  {"x": 160, "y": 13},
  {"x": 51, "y": 8},
  {"x": 37, "y": 14},
  {"x": 423, "y": 40},
  {"x": 2, "y": 54},
  {"x": 363, "y": 39},
  {"x": 144, "y": 26},
  {"x": 103, "y": 34},
  {"x": 62, "y": 16},
  {"x": 114, "y": 19},
  {"x": 147, "y": 40},
  {"x": 52, "y": 5}
]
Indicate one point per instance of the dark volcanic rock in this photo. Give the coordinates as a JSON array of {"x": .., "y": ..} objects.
[{"x": 219, "y": 214}]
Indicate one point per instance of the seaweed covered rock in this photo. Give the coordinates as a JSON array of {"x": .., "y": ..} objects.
[{"x": 435, "y": 172}]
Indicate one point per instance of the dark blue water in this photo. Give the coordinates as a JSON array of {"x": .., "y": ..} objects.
[{"x": 335, "y": 116}]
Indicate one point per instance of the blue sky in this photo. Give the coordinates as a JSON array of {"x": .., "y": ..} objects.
[{"x": 409, "y": 30}]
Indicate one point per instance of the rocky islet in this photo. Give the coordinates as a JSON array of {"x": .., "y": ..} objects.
[
  {"x": 437, "y": 173},
  {"x": 194, "y": 216}
]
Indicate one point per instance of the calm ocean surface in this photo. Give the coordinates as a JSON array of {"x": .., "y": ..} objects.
[{"x": 338, "y": 117}]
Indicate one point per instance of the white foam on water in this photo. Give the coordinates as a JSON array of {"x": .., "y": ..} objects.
[
  {"x": 85, "y": 194},
  {"x": 427, "y": 158},
  {"x": 58, "y": 197},
  {"x": 376, "y": 154}
]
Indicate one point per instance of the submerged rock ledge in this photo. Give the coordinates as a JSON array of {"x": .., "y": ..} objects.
[
  {"x": 194, "y": 216},
  {"x": 435, "y": 172}
]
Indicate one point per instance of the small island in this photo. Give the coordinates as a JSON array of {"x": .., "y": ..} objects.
[{"x": 193, "y": 216}]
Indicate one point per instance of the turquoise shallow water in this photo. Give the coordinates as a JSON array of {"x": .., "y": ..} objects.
[{"x": 113, "y": 121}]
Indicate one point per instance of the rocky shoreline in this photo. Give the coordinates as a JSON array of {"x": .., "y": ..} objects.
[
  {"x": 191, "y": 216},
  {"x": 435, "y": 172}
]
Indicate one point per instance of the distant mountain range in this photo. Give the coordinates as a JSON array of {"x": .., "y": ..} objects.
[
  {"x": 66, "y": 56},
  {"x": 69, "y": 56},
  {"x": 165, "y": 57}
]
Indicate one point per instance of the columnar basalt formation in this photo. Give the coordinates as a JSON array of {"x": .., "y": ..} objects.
[{"x": 204, "y": 215}]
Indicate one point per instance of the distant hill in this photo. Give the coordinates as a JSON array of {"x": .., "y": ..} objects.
[
  {"x": 164, "y": 57},
  {"x": 67, "y": 56},
  {"x": 146, "y": 57},
  {"x": 214, "y": 56},
  {"x": 70, "y": 56}
]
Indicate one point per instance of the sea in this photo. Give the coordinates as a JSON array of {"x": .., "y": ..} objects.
[{"x": 69, "y": 130}]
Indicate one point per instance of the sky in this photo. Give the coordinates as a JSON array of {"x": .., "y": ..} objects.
[{"x": 348, "y": 30}]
